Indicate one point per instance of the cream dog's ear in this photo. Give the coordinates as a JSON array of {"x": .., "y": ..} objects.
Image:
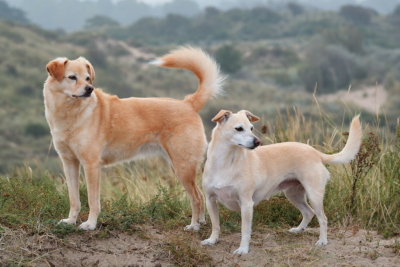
[
  {"x": 90, "y": 69},
  {"x": 56, "y": 68},
  {"x": 223, "y": 115},
  {"x": 250, "y": 116}
]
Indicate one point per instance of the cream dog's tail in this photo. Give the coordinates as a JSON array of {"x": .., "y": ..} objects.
[
  {"x": 351, "y": 148},
  {"x": 202, "y": 65}
]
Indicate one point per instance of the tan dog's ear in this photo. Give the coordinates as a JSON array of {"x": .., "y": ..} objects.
[
  {"x": 90, "y": 69},
  {"x": 56, "y": 68},
  {"x": 250, "y": 116},
  {"x": 223, "y": 115}
]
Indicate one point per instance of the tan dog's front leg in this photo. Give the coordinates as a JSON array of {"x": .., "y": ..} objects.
[
  {"x": 71, "y": 170},
  {"x": 212, "y": 207},
  {"x": 92, "y": 173},
  {"x": 247, "y": 219}
]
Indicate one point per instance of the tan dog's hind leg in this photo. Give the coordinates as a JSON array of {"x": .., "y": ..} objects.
[
  {"x": 297, "y": 196},
  {"x": 71, "y": 170},
  {"x": 185, "y": 158},
  {"x": 187, "y": 176},
  {"x": 212, "y": 208},
  {"x": 92, "y": 173}
]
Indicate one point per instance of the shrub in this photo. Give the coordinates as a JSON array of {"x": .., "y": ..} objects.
[
  {"x": 332, "y": 68},
  {"x": 358, "y": 15},
  {"x": 229, "y": 58},
  {"x": 295, "y": 9},
  {"x": 100, "y": 21},
  {"x": 36, "y": 129}
]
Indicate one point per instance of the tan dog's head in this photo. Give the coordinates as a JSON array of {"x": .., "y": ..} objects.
[
  {"x": 237, "y": 129},
  {"x": 73, "y": 77}
]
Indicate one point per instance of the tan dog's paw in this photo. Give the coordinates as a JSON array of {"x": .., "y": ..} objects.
[
  {"x": 87, "y": 226},
  {"x": 195, "y": 227},
  {"x": 209, "y": 242},
  {"x": 69, "y": 221},
  {"x": 321, "y": 242},
  {"x": 241, "y": 250}
]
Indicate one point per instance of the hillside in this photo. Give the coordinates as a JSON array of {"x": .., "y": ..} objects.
[{"x": 273, "y": 59}]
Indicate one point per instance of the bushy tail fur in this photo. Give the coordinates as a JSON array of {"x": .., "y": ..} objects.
[
  {"x": 351, "y": 148},
  {"x": 202, "y": 65}
]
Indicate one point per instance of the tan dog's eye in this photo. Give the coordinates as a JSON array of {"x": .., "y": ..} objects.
[
  {"x": 88, "y": 79},
  {"x": 72, "y": 77},
  {"x": 239, "y": 129}
]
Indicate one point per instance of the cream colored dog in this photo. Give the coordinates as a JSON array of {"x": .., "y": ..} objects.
[
  {"x": 95, "y": 129},
  {"x": 239, "y": 175}
]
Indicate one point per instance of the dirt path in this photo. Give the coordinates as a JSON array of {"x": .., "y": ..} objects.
[
  {"x": 151, "y": 247},
  {"x": 368, "y": 98}
]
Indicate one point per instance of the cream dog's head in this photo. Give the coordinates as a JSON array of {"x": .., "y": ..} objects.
[
  {"x": 72, "y": 77},
  {"x": 237, "y": 129}
]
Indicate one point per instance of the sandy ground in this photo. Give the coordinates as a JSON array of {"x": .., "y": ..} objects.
[
  {"x": 368, "y": 98},
  {"x": 271, "y": 247}
]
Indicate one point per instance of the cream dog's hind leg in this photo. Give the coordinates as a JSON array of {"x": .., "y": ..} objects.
[
  {"x": 315, "y": 189},
  {"x": 297, "y": 196}
]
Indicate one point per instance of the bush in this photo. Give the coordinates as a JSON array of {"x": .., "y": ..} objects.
[
  {"x": 100, "y": 21},
  {"x": 349, "y": 37},
  {"x": 332, "y": 68},
  {"x": 229, "y": 58},
  {"x": 295, "y": 9},
  {"x": 96, "y": 57},
  {"x": 36, "y": 129},
  {"x": 356, "y": 14}
]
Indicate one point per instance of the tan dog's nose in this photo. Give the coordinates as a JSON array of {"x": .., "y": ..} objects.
[{"x": 89, "y": 88}]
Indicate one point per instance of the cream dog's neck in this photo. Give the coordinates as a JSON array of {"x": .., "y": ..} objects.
[{"x": 223, "y": 153}]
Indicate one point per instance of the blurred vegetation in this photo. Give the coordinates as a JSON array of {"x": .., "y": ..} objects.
[
  {"x": 7, "y": 12},
  {"x": 274, "y": 58},
  {"x": 229, "y": 58}
]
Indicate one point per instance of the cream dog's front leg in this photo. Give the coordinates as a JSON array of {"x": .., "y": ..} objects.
[
  {"x": 247, "y": 219},
  {"x": 212, "y": 207},
  {"x": 92, "y": 173}
]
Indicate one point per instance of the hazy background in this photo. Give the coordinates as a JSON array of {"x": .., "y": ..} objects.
[
  {"x": 56, "y": 14},
  {"x": 275, "y": 52}
]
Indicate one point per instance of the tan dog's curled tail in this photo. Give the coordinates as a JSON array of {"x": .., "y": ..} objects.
[
  {"x": 202, "y": 65},
  {"x": 351, "y": 148}
]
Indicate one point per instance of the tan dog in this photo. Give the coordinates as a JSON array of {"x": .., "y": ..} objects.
[
  {"x": 95, "y": 129},
  {"x": 240, "y": 176}
]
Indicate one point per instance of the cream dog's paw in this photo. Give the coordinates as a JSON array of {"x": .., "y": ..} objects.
[
  {"x": 87, "y": 226},
  {"x": 69, "y": 221},
  {"x": 241, "y": 250},
  {"x": 296, "y": 230},
  {"x": 195, "y": 227},
  {"x": 209, "y": 242},
  {"x": 321, "y": 242}
]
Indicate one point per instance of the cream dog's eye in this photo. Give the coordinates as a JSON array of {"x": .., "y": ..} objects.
[
  {"x": 252, "y": 128},
  {"x": 88, "y": 79},
  {"x": 72, "y": 77},
  {"x": 239, "y": 129}
]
